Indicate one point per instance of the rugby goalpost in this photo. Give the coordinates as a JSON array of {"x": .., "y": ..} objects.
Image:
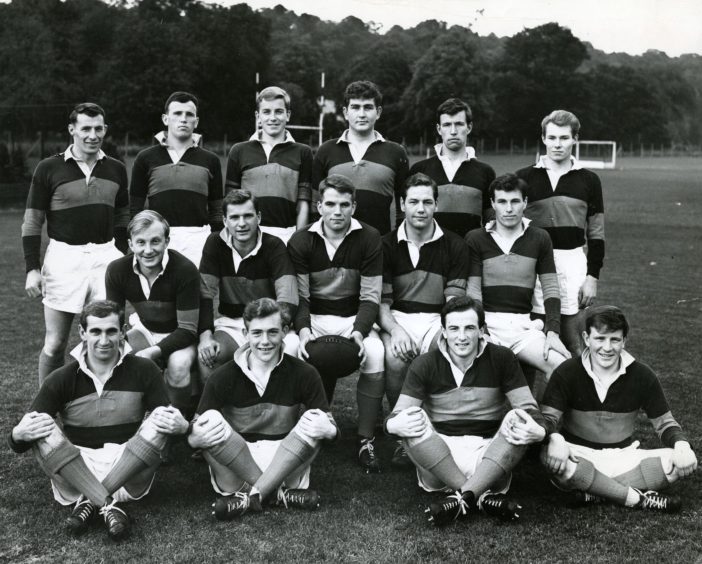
[{"x": 594, "y": 154}]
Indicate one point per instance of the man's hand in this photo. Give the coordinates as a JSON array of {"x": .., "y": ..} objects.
[
  {"x": 316, "y": 424},
  {"x": 207, "y": 432},
  {"x": 402, "y": 345},
  {"x": 408, "y": 423},
  {"x": 684, "y": 459},
  {"x": 33, "y": 285},
  {"x": 152, "y": 353},
  {"x": 208, "y": 349},
  {"x": 554, "y": 343},
  {"x": 305, "y": 336},
  {"x": 358, "y": 339},
  {"x": 587, "y": 292},
  {"x": 32, "y": 427},
  {"x": 168, "y": 420},
  {"x": 557, "y": 454},
  {"x": 519, "y": 428}
]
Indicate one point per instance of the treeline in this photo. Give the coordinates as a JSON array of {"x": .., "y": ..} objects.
[{"x": 129, "y": 55}]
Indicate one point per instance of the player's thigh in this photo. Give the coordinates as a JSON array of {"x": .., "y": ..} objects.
[
  {"x": 137, "y": 341},
  {"x": 227, "y": 346}
]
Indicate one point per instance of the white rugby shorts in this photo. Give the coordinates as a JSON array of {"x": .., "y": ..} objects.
[
  {"x": 283, "y": 233},
  {"x": 74, "y": 275},
  {"x": 516, "y": 331},
  {"x": 423, "y": 328},
  {"x": 571, "y": 267},
  {"x": 189, "y": 241}
]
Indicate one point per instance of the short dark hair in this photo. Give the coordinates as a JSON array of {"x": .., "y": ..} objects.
[
  {"x": 237, "y": 198},
  {"x": 606, "y": 318},
  {"x": 145, "y": 219},
  {"x": 183, "y": 98},
  {"x": 561, "y": 118},
  {"x": 508, "y": 182},
  {"x": 464, "y": 303},
  {"x": 265, "y": 307},
  {"x": 273, "y": 93},
  {"x": 451, "y": 107},
  {"x": 363, "y": 90},
  {"x": 86, "y": 108},
  {"x": 419, "y": 179},
  {"x": 101, "y": 309},
  {"x": 338, "y": 182}
]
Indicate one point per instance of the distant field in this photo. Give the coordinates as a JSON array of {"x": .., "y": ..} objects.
[{"x": 652, "y": 270}]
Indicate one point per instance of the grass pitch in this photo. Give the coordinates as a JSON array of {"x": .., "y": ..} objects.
[{"x": 652, "y": 271}]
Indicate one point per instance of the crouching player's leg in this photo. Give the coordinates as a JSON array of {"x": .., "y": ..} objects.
[
  {"x": 246, "y": 473},
  {"x": 628, "y": 476}
]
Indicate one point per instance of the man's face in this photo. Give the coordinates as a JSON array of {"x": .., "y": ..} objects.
[
  {"x": 509, "y": 207},
  {"x": 181, "y": 120},
  {"x": 419, "y": 206},
  {"x": 605, "y": 347},
  {"x": 242, "y": 222},
  {"x": 336, "y": 210},
  {"x": 265, "y": 336},
  {"x": 149, "y": 245},
  {"x": 273, "y": 116},
  {"x": 362, "y": 114},
  {"x": 454, "y": 131},
  {"x": 559, "y": 142},
  {"x": 462, "y": 333},
  {"x": 88, "y": 133},
  {"x": 103, "y": 337}
]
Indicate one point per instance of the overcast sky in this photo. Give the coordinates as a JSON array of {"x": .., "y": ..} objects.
[{"x": 632, "y": 26}]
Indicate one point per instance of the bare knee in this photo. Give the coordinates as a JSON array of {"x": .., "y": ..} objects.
[{"x": 179, "y": 367}]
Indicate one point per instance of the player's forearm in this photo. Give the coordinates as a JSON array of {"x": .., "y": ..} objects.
[
  {"x": 552, "y": 307},
  {"x": 386, "y": 319},
  {"x": 595, "y": 257},
  {"x": 367, "y": 315},
  {"x": 31, "y": 245}
]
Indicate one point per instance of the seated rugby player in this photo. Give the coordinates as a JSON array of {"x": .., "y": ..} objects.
[
  {"x": 104, "y": 452},
  {"x": 591, "y": 406},
  {"x": 261, "y": 419}
]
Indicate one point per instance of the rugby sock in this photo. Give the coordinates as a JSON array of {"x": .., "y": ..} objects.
[
  {"x": 66, "y": 461},
  {"x": 498, "y": 461},
  {"x": 587, "y": 478},
  {"x": 139, "y": 454},
  {"x": 234, "y": 453},
  {"x": 292, "y": 453},
  {"x": 47, "y": 364},
  {"x": 433, "y": 455},
  {"x": 329, "y": 383},
  {"x": 369, "y": 396},
  {"x": 648, "y": 475}
]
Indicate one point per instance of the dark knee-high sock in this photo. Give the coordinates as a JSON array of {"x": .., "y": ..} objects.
[
  {"x": 648, "y": 475},
  {"x": 234, "y": 453},
  {"x": 138, "y": 455},
  {"x": 292, "y": 453},
  {"x": 66, "y": 461},
  {"x": 588, "y": 479},
  {"x": 47, "y": 364},
  {"x": 369, "y": 396},
  {"x": 434, "y": 456},
  {"x": 180, "y": 397},
  {"x": 498, "y": 461}
]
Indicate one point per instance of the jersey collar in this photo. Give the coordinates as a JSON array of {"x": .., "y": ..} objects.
[
  {"x": 438, "y": 148},
  {"x": 402, "y": 234},
  {"x": 626, "y": 359},
  {"x": 458, "y": 374},
  {"x": 241, "y": 358},
  {"x": 491, "y": 226},
  {"x": 318, "y": 227},
  {"x": 574, "y": 163},
  {"x": 68, "y": 154},
  {"x": 258, "y": 136},
  {"x": 344, "y": 138},
  {"x": 162, "y": 138}
]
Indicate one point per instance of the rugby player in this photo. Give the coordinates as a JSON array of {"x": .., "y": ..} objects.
[
  {"x": 241, "y": 264},
  {"x": 423, "y": 267},
  {"x": 462, "y": 179},
  {"x": 82, "y": 195},
  {"x": 339, "y": 266},
  {"x": 273, "y": 167},
  {"x": 507, "y": 257},
  {"x": 451, "y": 418},
  {"x": 182, "y": 181},
  {"x": 105, "y": 452},
  {"x": 566, "y": 200},
  {"x": 376, "y": 167},
  {"x": 591, "y": 406},
  {"x": 249, "y": 426},
  {"x": 163, "y": 287}
]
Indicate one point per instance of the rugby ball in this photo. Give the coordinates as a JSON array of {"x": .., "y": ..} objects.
[{"x": 333, "y": 356}]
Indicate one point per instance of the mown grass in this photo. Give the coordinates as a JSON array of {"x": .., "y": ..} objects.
[{"x": 652, "y": 270}]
